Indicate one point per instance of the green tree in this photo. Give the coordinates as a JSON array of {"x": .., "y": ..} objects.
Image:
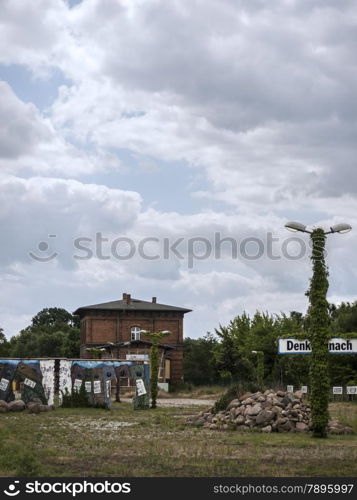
[
  {"x": 53, "y": 317},
  {"x": 53, "y": 332},
  {"x": 4, "y": 344},
  {"x": 155, "y": 338},
  {"x": 198, "y": 364},
  {"x": 232, "y": 355}
]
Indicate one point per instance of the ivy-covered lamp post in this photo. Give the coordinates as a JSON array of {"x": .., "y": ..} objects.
[
  {"x": 154, "y": 361},
  {"x": 260, "y": 367},
  {"x": 319, "y": 325}
]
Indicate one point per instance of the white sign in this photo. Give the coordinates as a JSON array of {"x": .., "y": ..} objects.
[
  {"x": 77, "y": 384},
  {"x": 88, "y": 386},
  {"x": 140, "y": 387},
  {"x": 30, "y": 383},
  {"x": 137, "y": 357},
  {"x": 351, "y": 389},
  {"x": 336, "y": 346},
  {"x": 47, "y": 367},
  {"x": 304, "y": 389},
  {"x": 289, "y": 388},
  {"x": 337, "y": 390},
  {"x": 97, "y": 387},
  {"x": 108, "y": 388},
  {"x": 4, "y": 382},
  {"x": 65, "y": 381}
]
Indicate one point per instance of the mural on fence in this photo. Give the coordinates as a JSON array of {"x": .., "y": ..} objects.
[
  {"x": 38, "y": 380},
  {"x": 97, "y": 377},
  {"x": 37, "y": 376}
]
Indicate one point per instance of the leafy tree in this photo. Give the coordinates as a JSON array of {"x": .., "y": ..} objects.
[
  {"x": 198, "y": 365},
  {"x": 154, "y": 362},
  {"x": 53, "y": 332},
  {"x": 4, "y": 344},
  {"x": 53, "y": 317}
]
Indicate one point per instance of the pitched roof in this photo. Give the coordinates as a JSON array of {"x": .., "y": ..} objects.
[{"x": 134, "y": 305}]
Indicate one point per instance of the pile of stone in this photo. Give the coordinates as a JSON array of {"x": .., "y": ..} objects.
[
  {"x": 266, "y": 412},
  {"x": 19, "y": 405}
]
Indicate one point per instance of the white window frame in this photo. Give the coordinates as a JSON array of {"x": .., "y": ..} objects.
[{"x": 135, "y": 332}]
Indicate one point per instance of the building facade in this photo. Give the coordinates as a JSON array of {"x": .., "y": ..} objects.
[{"x": 116, "y": 328}]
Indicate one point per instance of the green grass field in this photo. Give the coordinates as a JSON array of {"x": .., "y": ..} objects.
[{"x": 93, "y": 442}]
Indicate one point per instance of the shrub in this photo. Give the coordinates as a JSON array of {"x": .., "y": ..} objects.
[{"x": 78, "y": 399}]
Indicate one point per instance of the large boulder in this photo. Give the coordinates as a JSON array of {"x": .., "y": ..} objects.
[
  {"x": 254, "y": 410},
  {"x": 4, "y": 407},
  {"x": 33, "y": 407},
  {"x": 264, "y": 417},
  {"x": 17, "y": 405}
]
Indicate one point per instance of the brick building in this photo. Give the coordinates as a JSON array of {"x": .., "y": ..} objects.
[{"x": 116, "y": 328}]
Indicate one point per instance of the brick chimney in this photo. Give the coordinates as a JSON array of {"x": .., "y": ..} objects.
[
  {"x": 128, "y": 298},
  {"x": 154, "y": 300},
  {"x": 124, "y": 296}
]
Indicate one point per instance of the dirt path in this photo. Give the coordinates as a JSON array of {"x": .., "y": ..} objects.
[{"x": 180, "y": 402}]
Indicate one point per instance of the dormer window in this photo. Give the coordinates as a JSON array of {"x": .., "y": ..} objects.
[{"x": 135, "y": 332}]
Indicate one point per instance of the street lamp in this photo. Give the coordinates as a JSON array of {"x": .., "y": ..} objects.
[
  {"x": 337, "y": 228},
  {"x": 319, "y": 324}
]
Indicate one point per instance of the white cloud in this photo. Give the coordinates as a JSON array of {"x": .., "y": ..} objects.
[{"x": 258, "y": 97}]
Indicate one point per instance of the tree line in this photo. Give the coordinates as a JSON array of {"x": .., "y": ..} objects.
[
  {"x": 222, "y": 357},
  {"x": 227, "y": 356},
  {"x": 53, "y": 332}
]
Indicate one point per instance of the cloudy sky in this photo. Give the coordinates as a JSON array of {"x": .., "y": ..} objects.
[{"x": 136, "y": 135}]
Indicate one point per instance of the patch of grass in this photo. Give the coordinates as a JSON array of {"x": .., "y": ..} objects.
[{"x": 92, "y": 442}]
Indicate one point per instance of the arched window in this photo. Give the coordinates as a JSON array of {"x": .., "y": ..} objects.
[{"x": 135, "y": 332}]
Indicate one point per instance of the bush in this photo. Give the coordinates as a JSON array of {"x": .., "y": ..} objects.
[
  {"x": 234, "y": 392},
  {"x": 78, "y": 399}
]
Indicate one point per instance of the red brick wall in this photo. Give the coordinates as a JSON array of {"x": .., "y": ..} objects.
[{"x": 100, "y": 327}]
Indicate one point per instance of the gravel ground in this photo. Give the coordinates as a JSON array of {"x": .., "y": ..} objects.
[{"x": 180, "y": 402}]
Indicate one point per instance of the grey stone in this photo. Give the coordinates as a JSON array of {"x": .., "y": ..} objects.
[
  {"x": 33, "y": 407},
  {"x": 267, "y": 428},
  {"x": 240, "y": 420},
  {"x": 233, "y": 404},
  {"x": 276, "y": 409},
  {"x": 286, "y": 427},
  {"x": 4, "y": 407},
  {"x": 248, "y": 401},
  {"x": 245, "y": 396},
  {"x": 267, "y": 405},
  {"x": 239, "y": 411},
  {"x": 301, "y": 427},
  {"x": 286, "y": 400},
  {"x": 254, "y": 410},
  {"x": 337, "y": 430},
  {"x": 18, "y": 405},
  {"x": 264, "y": 417},
  {"x": 44, "y": 408}
]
